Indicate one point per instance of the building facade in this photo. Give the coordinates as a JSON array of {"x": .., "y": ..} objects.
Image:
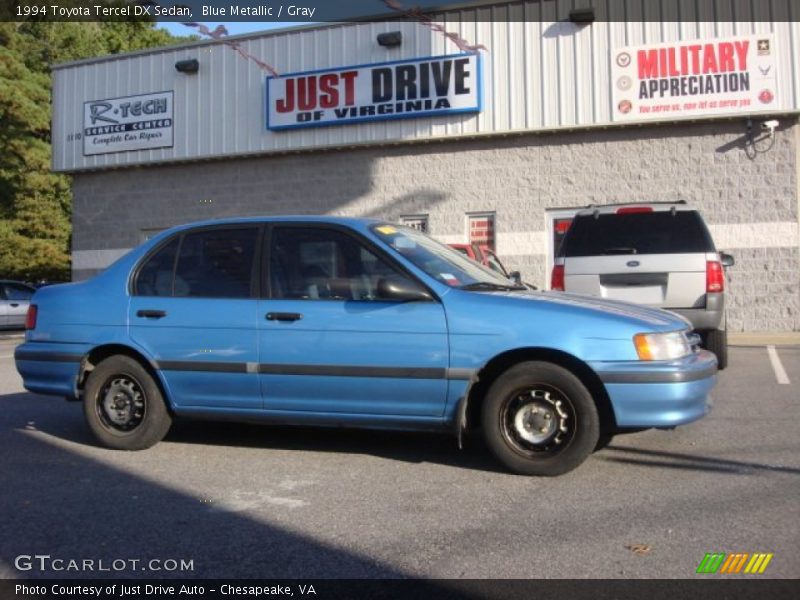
[{"x": 500, "y": 147}]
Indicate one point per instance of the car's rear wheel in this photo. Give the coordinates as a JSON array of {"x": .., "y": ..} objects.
[
  {"x": 716, "y": 341},
  {"x": 124, "y": 406},
  {"x": 539, "y": 419}
]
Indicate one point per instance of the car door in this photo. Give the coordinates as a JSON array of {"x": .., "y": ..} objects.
[
  {"x": 329, "y": 343},
  {"x": 193, "y": 311},
  {"x": 17, "y": 298}
]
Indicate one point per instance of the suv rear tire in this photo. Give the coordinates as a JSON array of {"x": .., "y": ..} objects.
[{"x": 716, "y": 341}]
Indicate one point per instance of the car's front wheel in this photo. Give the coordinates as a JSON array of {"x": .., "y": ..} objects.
[
  {"x": 124, "y": 406},
  {"x": 539, "y": 419}
]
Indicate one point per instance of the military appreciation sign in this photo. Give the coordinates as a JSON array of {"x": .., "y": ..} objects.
[
  {"x": 393, "y": 90},
  {"x": 695, "y": 78}
]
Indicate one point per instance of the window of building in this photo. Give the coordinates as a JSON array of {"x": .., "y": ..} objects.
[
  {"x": 418, "y": 222},
  {"x": 481, "y": 229},
  {"x": 148, "y": 234}
]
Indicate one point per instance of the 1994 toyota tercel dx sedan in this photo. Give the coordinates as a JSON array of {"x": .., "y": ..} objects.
[{"x": 358, "y": 323}]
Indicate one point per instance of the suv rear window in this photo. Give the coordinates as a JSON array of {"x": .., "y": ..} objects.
[{"x": 662, "y": 232}]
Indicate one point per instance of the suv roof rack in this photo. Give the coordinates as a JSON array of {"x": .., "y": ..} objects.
[{"x": 635, "y": 203}]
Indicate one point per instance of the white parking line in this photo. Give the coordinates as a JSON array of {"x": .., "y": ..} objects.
[
  {"x": 777, "y": 366},
  {"x": 6, "y": 356}
]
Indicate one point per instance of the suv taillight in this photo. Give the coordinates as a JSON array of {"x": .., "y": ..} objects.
[
  {"x": 715, "y": 277},
  {"x": 557, "y": 279},
  {"x": 30, "y": 318}
]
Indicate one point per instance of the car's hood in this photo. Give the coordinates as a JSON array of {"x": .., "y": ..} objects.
[
  {"x": 655, "y": 316},
  {"x": 655, "y": 319}
]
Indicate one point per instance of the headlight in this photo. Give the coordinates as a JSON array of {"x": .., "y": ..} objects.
[{"x": 662, "y": 346}]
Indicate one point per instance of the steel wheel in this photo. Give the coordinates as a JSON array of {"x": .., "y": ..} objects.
[
  {"x": 538, "y": 419},
  {"x": 121, "y": 403}
]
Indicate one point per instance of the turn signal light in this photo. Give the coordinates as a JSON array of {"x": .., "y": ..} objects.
[
  {"x": 557, "y": 279},
  {"x": 30, "y": 318},
  {"x": 715, "y": 277}
]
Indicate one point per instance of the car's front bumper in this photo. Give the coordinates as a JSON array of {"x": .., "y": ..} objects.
[
  {"x": 659, "y": 394},
  {"x": 50, "y": 368}
]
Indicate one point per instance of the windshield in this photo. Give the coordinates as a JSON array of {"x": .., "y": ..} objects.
[{"x": 439, "y": 261}]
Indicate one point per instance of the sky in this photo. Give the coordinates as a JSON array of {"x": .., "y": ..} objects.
[{"x": 233, "y": 28}]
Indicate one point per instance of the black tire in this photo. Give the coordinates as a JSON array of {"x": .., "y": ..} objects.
[
  {"x": 525, "y": 413},
  {"x": 603, "y": 441},
  {"x": 716, "y": 341},
  {"x": 124, "y": 406}
]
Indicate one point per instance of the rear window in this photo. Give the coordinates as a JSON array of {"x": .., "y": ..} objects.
[{"x": 663, "y": 232}]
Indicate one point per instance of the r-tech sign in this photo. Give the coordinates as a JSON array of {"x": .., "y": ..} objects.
[
  {"x": 393, "y": 90},
  {"x": 695, "y": 78},
  {"x": 130, "y": 123}
]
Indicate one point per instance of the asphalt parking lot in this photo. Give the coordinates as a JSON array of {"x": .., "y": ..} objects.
[{"x": 276, "y": 502}]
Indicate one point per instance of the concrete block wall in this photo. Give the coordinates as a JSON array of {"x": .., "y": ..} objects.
[{"x": 748, "y": 194}]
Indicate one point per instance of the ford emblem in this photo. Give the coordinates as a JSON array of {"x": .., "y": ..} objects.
[{"x": 632, "y": 263}]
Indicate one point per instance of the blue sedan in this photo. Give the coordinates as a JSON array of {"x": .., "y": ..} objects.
[{"x": 355, "y": 322}]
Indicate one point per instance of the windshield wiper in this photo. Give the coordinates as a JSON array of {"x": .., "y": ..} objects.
[
  {"x": 620, "y": 250},
  {"x": 488, "y": 286}
]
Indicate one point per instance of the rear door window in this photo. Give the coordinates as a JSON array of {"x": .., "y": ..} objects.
[
  {"x": 216, "y": 263},
  {"x": 155, "y": 275},
  {"x": 662, "y": 232}
]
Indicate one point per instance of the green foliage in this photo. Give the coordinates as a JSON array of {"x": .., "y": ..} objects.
[{"x": 35, "y": 204}]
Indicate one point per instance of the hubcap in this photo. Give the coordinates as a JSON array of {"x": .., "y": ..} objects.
[
  {"x": 538, "y": 419},
  {"x": 121, "y": 403}
]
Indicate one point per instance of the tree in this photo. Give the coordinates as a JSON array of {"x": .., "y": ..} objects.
[{"x": 35, "y": 204}]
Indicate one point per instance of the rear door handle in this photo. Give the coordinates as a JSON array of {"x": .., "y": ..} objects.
[
  {"x": 151, "y": 314},
  {"x": 282, "y": 316},
  {"x": 14, "y": 304}
]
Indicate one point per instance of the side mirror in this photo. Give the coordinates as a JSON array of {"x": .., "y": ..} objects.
[
  {"x": 401, "y": 289},
  {"x": 726, "y": 259},
  {"x": 516, "y": 277}
]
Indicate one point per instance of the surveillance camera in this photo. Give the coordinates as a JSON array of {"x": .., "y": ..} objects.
[{"x": 770, "y": 125}]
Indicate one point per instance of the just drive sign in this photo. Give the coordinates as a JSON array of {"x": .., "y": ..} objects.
[
  {"x": 393, "y": 90},
  {"x": 138, "y": 122}
]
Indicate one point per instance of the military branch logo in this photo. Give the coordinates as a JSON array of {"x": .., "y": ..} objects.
[{"x": 736, "y": 563}]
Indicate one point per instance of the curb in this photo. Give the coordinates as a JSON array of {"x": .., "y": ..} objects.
[{"x": 765, "y": 338}]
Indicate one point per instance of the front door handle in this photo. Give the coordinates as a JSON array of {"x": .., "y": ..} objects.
[
  {"x": 151, "y": 314},
  {"x": 14, "y": 304},
  {"x": 282, "y": 316}
]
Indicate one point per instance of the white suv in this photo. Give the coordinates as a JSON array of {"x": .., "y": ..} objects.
[{"x": 659, "y": 254}]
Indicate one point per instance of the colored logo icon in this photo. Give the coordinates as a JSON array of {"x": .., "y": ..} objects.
[
  {"x": 766, "y": 96},
  {"x": 623, "y": 59},
  {"x": 739, "y": 562},
  {"x": 763, "y": 47},
  {"x": 625, "y": 107}
]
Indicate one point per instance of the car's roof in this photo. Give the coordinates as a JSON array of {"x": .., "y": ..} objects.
[
  {"x": 609, "y": 209},
  {"x": 288, "y": 218}
]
